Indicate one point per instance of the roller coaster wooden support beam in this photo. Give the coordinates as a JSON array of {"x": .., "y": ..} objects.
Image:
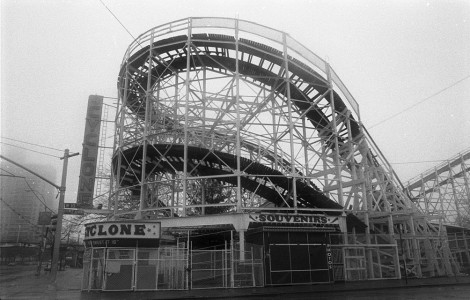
[
  {"x": 444, "y": 191},
  {"x": 249, "y": 108}
]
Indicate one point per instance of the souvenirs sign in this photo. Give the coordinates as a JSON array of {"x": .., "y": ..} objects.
[
  {"x": 295, "y": 219},
  {"x": 317, "y": 222}
]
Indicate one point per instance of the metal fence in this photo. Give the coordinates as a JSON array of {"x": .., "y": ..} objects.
[
  {"x": 167, "y": 268},
  {"x": 120, "y": 269},
  {"x": 459, "y": 245},
  {"x": 162, "y": 269},
  {"x": 360, "y": 258},
  {"x": 227, "y": 268}
]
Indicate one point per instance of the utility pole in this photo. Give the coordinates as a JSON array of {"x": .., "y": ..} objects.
[
  {"x": 60, "y": 213},
  {"x": 60, "y": 210}
]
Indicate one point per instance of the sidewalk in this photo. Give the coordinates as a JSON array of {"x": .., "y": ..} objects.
[
  {"x": 22, "y": 283},
  {"x": 25, "y": 285}
]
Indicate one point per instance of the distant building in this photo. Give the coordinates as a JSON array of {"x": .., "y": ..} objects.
[{"x": 23, "y": 196}]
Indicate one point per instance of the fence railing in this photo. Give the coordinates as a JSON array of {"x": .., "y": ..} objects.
[{"x": 226, "y": 268}]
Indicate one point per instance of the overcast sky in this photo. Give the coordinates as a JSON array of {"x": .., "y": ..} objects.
[{"x": 393, "y": 56}]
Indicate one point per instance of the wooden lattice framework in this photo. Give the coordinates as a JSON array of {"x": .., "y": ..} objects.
[{"x": 225, "y": 102}]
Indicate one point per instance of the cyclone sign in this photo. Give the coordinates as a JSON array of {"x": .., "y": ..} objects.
[
  {"x": 122, "y": 230},
  {"x": 90, "y": 152}
]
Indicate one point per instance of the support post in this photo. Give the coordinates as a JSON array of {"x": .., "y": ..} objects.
[
  {"x": 336, "y": 154},
  {"x": 232, "y": 258},
  {"x": 293, "y": 171},
  {"x": 238, "y": 137},
  {"x": 400, "y": 229},
  {"x": 60, "y": 213},
  {"x": 241, "y": 234}
]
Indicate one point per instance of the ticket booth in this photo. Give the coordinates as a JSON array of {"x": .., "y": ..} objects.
[{"x": 126, "y": 255}]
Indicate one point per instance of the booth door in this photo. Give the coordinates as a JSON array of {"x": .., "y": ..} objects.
[
  {"x": 119, "y": 272},
  {"x": 296, "y": 258},
  {"x": 96, "y": 269}
]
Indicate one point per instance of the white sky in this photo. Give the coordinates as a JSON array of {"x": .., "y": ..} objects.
[{"x": 390, "y": 54}]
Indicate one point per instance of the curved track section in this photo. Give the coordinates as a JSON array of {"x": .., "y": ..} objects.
[
  {"x": 259, "y": 179},
  {"x": 173, "y": 49}
]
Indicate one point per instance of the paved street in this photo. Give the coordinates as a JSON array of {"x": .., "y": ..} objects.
[
  {"x": 424, "y": 293},
  {"x": 20, "y": 282}
]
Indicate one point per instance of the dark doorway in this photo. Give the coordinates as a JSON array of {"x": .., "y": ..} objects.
[{"x": 296, "y": 258}]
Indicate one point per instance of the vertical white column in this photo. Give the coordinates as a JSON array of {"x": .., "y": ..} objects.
[
  {"x": 291, "y": 123},
  {"x": 186, "y": 119},
  {"x": 241, "y": 235},
  {"x": 237, "y": 97},
  {"x": 121, "y": 115},
  {"x": 335, "y": 134},
  {"x": 148, "y": 99}
]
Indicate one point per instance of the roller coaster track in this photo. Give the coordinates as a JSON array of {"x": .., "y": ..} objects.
[
  {"x": 169, "y": 159},
  {"x": 249, "y": 107},
  {"x": 444, "y": 191},
  {"x": 220, "y": 61}
]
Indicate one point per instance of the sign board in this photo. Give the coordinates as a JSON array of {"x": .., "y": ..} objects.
[
  {"x": 122, "y": 230},
  {"x": 44, "y": 218},
  {"x": 84, "y": 211},
  {"x": 294, "y": 219},
  {"x": 86, "y": 183},
  {"x": 77, "y": 212},
  {"x": 70, "y": 205},
  {"x": 321, "y": 222}
]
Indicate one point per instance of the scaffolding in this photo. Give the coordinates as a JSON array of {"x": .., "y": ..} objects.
[{"x": 105, "y": 150}]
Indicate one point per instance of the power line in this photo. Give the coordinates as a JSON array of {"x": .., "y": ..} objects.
[
  {"x": 417, "y": 103},
  {"x": 29, "y": 150},
  {"x": 6, "y": 138},
  {"x": 20, "y": 215},
  {"x": 418, "y": 162},
  {"x": 9, "y": 173},
  {"x": 30, "y": 188},
  {"x": 14, "y": 176},
  {"x": 34, "y": 192},
  {"x": 117, "y": 19}
]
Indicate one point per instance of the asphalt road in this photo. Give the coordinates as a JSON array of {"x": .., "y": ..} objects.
[
  {"x": 20, "y": 282},
  {"x": 12, "y": 273},
  {"x": 410, "y": 293}
]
